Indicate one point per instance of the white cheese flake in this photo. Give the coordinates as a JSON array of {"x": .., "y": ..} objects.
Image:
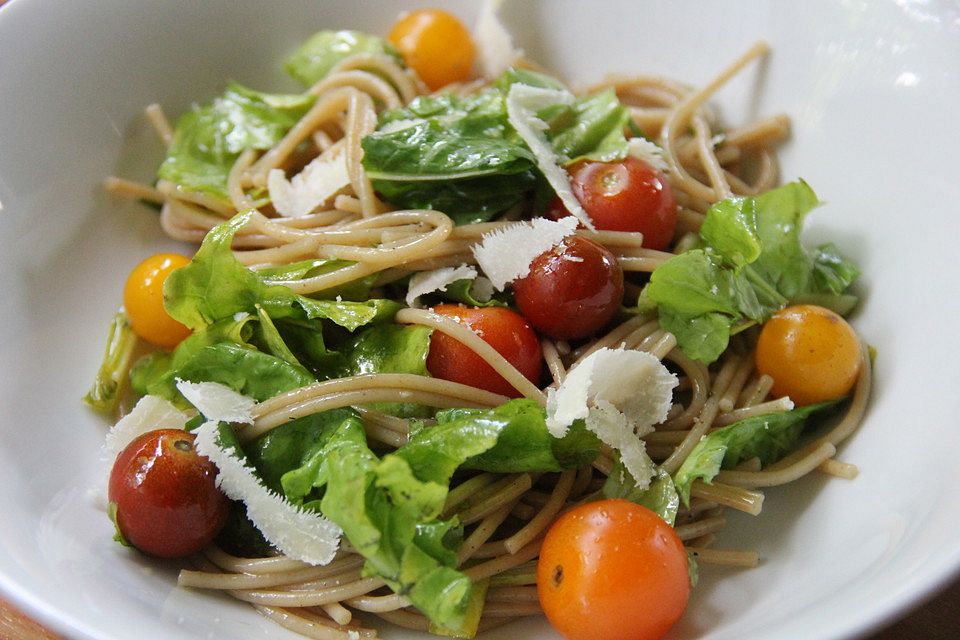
[
  {"x": 425, "y": 282},
  {"x": 496, "y": 52},
  {"x": 620, "y": 395},
  {"x": 505, "y": 254},
  {"x": 300, "y": 534},
  {"x": 218, "y": 402},
  {"x": 648, "y": 152},
  {"x": 317, "y": 183},
  {"x": 523, "y": 103},
  {"x": 149, "y": 414}
]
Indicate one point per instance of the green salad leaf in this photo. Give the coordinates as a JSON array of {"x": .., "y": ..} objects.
[
  {"x": 104, "y": 394},
  {"x": 459, "y": 154},
  {"x": 314, "y": 59},
  {"x": 767, "y": 437},
  {"x": 749, "y": 264},
  {"x": 661, "y": 496},
  {"x": 208, "y": 140}
]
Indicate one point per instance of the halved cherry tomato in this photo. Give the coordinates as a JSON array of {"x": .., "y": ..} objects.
[
  {"x": 436, "y": 45},
  {"x": 143, "y": 300},
  {"x": 626, "y": 195},
  {"x": 167, "y": 501},
  {"x": 812, "y": 354},
  {"x": 504, "y": 330},
  {"x": 572, "y": 290},
  {"x": 612, "y": 569}
]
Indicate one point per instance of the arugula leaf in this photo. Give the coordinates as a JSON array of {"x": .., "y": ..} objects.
[
  {"x": 461, "y": 155},
  {"x": 521, "y": 441},
  {"x": 767, "y": 437},
  {"x": 314, "y": 59},
  {"x": 389, "y": 348},
  {"x": 215, "y": 286},
  {"x": 208, "y": 140},
  {"x": 750, "y": 263},
  {"x": 104, "y": 394},
  {"x": 661, "y": 496}
]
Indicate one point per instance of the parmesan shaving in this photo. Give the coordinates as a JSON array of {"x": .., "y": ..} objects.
[
  {"x": 620, "y": 395},
  {"x": 149, "y": 414},
  {"x": 505, "y": 254},
  {"x": 300, "y": 534},
  {"x": 218, "y": 402},
  {"x": 317, "y": 183},
  {"x": 494, "y": 44},
  {"x": 647, "y": 152},
  {"x": 437, "y": 280},
  {"x": 481, "y": 289},
  {"x": 523, "y": 102}
]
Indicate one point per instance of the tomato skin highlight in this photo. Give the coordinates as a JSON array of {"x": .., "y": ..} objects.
[
  {"x": 504, "y": 330},
  {"x": 626, "y": 195},
  {"x": 143, "y": 300},
  {"x": 436, "y": 45},
  {"x": 572, "y": 290},
  {"x": 612, "y": 569},
  {"x": 167, "y": 501},
  {"x": 812, "y": 354}
]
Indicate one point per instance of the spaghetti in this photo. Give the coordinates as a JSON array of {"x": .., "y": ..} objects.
[{"x": 506, "y": 516}]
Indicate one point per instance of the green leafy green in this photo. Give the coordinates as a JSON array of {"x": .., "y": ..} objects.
[
  {"x": 519, "y": 435},
  {"x": 208, "y": 140},
  {"x": 215, "y": 286},
  {"x": 389, "y": 348},
  {"x": 314, "y": 59},
  {"x": 459, "y": 154},
  {"x": 767, "y": 437},
  {"x": 104, "y": 394},
  {"x": 749, "y": 264},
  {"x": 661, "y": 496}
]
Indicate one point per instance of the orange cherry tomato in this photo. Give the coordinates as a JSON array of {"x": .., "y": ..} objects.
[
  {"x": 436, "y": 45},
  {"x": 143, "y": 300},
  {"x": 811, "y": 353},
  {"x": 612, "y": 569},
  {"x": 504, "y": 330}
]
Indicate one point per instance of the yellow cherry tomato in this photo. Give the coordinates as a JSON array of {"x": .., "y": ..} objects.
[
  {"x": 811, "y": 353},
  {"x": 143, "y": 300},
  {"x": 436, "y": 45}
]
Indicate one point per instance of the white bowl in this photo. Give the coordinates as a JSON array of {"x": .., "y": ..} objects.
[{"x": 873, "y": 89}]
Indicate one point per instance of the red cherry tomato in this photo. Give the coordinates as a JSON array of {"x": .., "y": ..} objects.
[
  {"x": 626, "y": 195},
  {"x": 572, "y": 290},
  {"x": 504, "y": 330},
  {"x": 167, "y": 501},
  {"x": 612, "y": 569}
]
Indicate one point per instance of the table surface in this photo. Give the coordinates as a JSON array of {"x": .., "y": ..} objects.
[{"x": 938, "y": 619}]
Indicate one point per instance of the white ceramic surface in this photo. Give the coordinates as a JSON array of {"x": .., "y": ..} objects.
[{"x": 873, "y": 87}]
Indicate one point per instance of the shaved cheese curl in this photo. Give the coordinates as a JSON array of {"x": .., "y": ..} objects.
[
  {"x": 523, "y": 102},
  {"x": 317, "y": 183},
  {"x": 300, "y": 534},
  {"x": 217, "y": 401},
  {"x": 149, "y": 414},
  {"x": 425, "y": 282},
  {"x": 505, "y": 254},
  {"x": 620, "y": 395},
  {"x": 495, "y": 45}
]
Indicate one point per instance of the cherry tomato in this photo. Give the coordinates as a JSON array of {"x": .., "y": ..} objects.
[
  {"x": 572, "y": 290},
  {"x": 504, "y": 330},
  {"x": 612, "y": 569},
  {"x": 167, "y": 501},
  {"x": 143, "y": 300},
  {"x": 626, "y": 195},
  {"x": 436, "y": 45},
  {"x": 811, "y": 353}
]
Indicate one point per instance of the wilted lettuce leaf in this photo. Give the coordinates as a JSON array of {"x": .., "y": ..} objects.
[
  {"x": 461, "y": 155},
  {"x": 767, "y": 437},
  {"x": 207, "y": 140},
  {"x": 314, "y": 59},
  {"x": 215, "y": 286},
  {"x": 661, "y": 496},
  {"x": 750, "y": 263}
]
